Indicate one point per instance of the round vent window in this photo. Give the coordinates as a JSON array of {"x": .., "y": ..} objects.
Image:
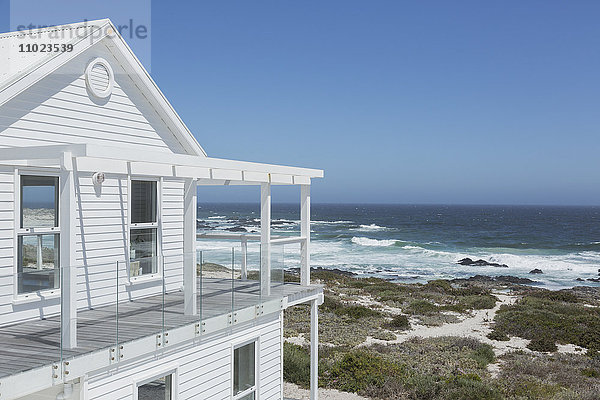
[{"x": 99, "y": 78}]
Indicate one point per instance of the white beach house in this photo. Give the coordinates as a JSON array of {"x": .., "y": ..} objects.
[{"x": 103, "y": 293}]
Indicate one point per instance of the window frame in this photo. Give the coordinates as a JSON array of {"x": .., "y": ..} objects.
[
  {"x": 157, "y": 373},
  {"x": 157, "y": 225},
  {"x": 236, "y": 345},
  {"x": 21, "y": 232}
]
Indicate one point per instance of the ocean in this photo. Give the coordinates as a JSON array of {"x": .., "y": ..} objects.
[{"x": 417, "y": 243}]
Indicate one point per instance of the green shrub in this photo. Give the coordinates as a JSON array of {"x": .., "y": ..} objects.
[
  {"x": 296, "y": 365},
  {"x": 557, "y": 321},
  {"x": 439, "y": 285},
  {"x": 484, "y": 355},
  {"x": 399, "y": 322},
  {"x": 352, "y": 310},
  {"x": 422, "y": 307},
  {"x": 559, "y": 295},
  {"x": 590, "y": 373},
  {"x": 469, "y": 387},
  {"x": 479, "y": 302},
  {"x": 360, "y": 369},
  {"x": 542, "y": 343},
  {"x": 498, "y": 335}
]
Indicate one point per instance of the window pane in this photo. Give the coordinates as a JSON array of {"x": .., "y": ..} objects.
[
  {"x": 159, "y": 389},
  {"x": 143, "y": 202},
  {"x": 143, "y": 247},
  {"x": 39, "y": 206},
  {"x": 38, "y": 265},
  {"x": 243, "y": 368}
]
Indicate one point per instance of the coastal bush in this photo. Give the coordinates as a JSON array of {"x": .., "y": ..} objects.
[
  {"x": 296, "y": 365},
  {"x": 351, "y": 310},
  {"x": 383, "y": 335},
  {"x": 399, "y": 322},
  {"x": 479, "y": 302},
  {"x": 359, "y": 369},
  {"x": 590, "y": 373},
  {"x": 484, "y": 355},
  {"x": 551, "y": 320},
  {"x": 542, "y": 375},
  {"x": 542, "y": 343},
  {"x": 558, "y": 295},
  {"x": 423, "y": 307},
  {"x": 498, "y": 335}
]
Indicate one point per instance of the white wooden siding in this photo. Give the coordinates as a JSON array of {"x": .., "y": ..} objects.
[
  {"x": 59, "y": 110},
  {"x": 204, "y": 369},
  {"x": 101, "y": 238},
  {"x": 172, "y": 232},
  {"x": 6, "y": 242}
]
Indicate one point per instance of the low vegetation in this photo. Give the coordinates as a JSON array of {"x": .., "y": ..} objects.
[
  {"x": 547, "y": 318},
  {"x": 446, "y": 367}
]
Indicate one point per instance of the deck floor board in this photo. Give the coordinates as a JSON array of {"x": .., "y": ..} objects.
[{"x": 37, "y": 343}]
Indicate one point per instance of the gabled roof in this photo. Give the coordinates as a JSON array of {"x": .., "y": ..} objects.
[{"x": 19, "y": 71}]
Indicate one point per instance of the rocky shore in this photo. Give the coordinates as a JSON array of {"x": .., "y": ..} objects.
[{"x": 477, "y": 338}]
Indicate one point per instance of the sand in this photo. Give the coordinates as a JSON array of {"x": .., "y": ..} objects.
[{"x": 293, "y": 392}]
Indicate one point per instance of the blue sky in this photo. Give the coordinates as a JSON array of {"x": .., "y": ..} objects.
[{"x": 399, "y": 102}]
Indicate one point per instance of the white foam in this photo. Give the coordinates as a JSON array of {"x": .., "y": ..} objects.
[
  {"x": 363, "y": 241},
  {"x": 371, "y": 227}
]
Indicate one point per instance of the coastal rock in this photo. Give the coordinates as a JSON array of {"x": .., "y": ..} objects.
[
  {"x": 514, "y": 279},
  {"x": 296, "y": 271},
  {"x": 501, "y": 279},
  {"x": 236, "y": 229},
  {"x": 594, "y": 279},
  {"x": 480, "y": 263},
  {"x": 580, "y": 280},
  {"x": 536, "y": 271}
]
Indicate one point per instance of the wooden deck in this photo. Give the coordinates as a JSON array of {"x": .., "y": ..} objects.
[{"x": 37, "y": 343}]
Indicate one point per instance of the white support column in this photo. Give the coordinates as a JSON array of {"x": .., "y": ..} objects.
[
  {"x": 314, "y": 350},
  {"x": 190, "y": 210},
  {"x": 244, "y": 244},
  {"x": 68, "y": 285},
  {"x": 305, "y": 232},
  {"x": 265, "y": 239}
]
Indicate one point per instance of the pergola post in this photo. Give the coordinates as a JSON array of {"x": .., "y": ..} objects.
[
  {"x": 305, "y": 232},
  {"x": 68, "y": 272},
  {"x": 265, "y": 239},
  {"x": 190, "y": 210}
]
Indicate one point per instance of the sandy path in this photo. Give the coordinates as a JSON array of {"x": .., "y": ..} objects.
[
  {"x": 475, "y": 326},
  {"x": 293, "y": 392}
]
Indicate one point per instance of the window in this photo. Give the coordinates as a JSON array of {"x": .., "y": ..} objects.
[
  {"x": 158, "y": 389},
  {"x": 38, "y": 235},
  {"x": 144, "y": 227},
  {"x": 244, "y": 372}
]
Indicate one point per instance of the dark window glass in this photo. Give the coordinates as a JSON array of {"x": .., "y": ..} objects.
[
  {"x": 143, "y": 202},
  {"x": 39, "y": 201},
  {"x": 159, "y": 389}
]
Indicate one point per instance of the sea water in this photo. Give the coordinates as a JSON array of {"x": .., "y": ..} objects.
[{"x": 417, "y": 243}]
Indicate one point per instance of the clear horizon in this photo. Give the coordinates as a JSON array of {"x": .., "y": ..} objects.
[{"x": 399, "y": 103}]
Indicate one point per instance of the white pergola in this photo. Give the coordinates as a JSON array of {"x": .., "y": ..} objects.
[{"x": 195, "y": 171}]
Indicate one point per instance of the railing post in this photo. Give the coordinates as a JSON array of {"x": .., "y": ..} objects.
[
  {"x": 190, "y": 285},
  {"x": 67, "y": 253},
  {"x": 265, "y": 239},
  {"x": 244, "y": 260},
  {"x": 305, "y": 232}
]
